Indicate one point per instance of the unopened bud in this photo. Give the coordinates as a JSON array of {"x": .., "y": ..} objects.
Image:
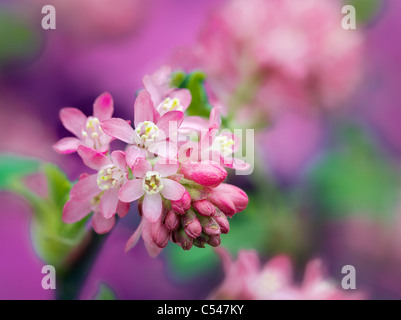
[
  {"x": 191, "y": 224},
  {"x": 204, "y": 173},
  {"x": 183, "y": 239},
  {"x": 171, "y": 221},
  {"x": 209, "y": 226},
  {"x": 204, "y": 207},
  {"x": 222, "y": 221},
  {"x": 214, "y": 241},
  {"x": 181, "y": 206},
  {"x": 160, "y": 234},
  {"x": 229, "y": 199}
]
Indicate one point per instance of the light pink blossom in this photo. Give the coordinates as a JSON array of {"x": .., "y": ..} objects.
[
  {"x": 86, "y": 129},
  {"x": 151, "y": 131},
  {"x": 152, "y": 183}
]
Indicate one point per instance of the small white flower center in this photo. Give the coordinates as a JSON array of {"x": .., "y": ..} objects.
[
  {"x": 92, "y": 132},
  {"x": 109, "y": 177},
  {"x": 152, "y": 182},
  {"x": 170, "y": 105},
  {"x": 223, "y": 144},
  {"x": 147, "y": 131}
]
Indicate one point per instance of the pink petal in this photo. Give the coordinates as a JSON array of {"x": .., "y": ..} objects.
[
  {"x": 214, "y": 118},
  {"x": 133, "y": 240},
  {"x": 119, "y": 129},
  {"x": 166, "y": 122},
  {"x": 131, "y": 191},
  {"x": 118, "y": 158},
  {"x": 184, "y": 95},
  {"x": 122, "y": 209},
  {"x": 103, "y": 107},
  {"x": 164, "y": 149},
  {"x": 134, "y": 153},
  {"x": 150, "y": 245},
  {"x": 166, "y": 168},
  {"x": 85, "y": 189},
  {"x": 172, "y": 190},
  {"x": 74, "y": 211},
  {"x": 143, "y": 108},
  {"x": 194, "y": 123},
  {"x": 108, "y": 203},
  {"x": 67, "y": 145},
  {"x": 102, "y": 225},
  {"x": 141, "y": 167},
  {"x": 152, "y": 207},
  {"x": 73, "y": 120},
  {"x": 93, "y": 159}
]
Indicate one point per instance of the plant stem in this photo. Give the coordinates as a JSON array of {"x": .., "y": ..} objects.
[{"x": 80, "y": 262}]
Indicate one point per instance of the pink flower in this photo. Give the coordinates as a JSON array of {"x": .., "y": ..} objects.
[
  {"x": 203, "y": 173},
  {"x": 164, "y": 97},
  {"x": 151, "y": 131},
  {"x": 86, "y": 129},
  {"x": 98, "y": 193},
  {"x": 246, "y": 279},
  {"x": 152, "y": 183}
]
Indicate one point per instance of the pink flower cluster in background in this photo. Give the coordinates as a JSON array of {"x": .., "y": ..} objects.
[
  {"x": 246, "y": 279},
  {"x": 178, "y": 183},
  {"x": 278, "y": 54}
]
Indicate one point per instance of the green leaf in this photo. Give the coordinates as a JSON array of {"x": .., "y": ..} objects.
[
  {"x": 105, "y": 292},
  {"x": 194, "y": 82},
  {"x": 13, "y": 168},
  {"x": 365, "y": 9}
]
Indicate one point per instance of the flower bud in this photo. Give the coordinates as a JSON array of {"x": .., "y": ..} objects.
[
  {"x": 201, "y": 240},
  {"x": 204, "y": 173},
  {"x": 183, "y": 239},
  {"x": 209, "y": 226},
  {"x": 204, "y": 207},
  {"x": 214, "y": 241},
  {"x": 228, "y": 198},
  {"x": 160, "y": 234},
  {"x": 171, "y": 221},
  {"x": 222, "y": 221},
  {"x": 181, "y": 206},
  {"x": 191, "y": 224}
]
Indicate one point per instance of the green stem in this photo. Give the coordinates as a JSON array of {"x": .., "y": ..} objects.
[{"x": 70, "y": 283}]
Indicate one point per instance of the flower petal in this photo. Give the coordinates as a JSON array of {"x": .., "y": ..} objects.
[
  {"x": 85, "y": 189},
  {"x": 133, "y": 240},
  {"x": 103, "y": 107},
  {"x": 74, "y": 211},
  {"x": 118, "y": 158},
  {"x": 102, "y": 225},
  {"x": 122, "y": 209},
  {"x": 131, "y": 191},
  {"x": 166, "y": 168},
  {"x": 172, "y": 190},
  {"x": 119, "y": 129},
  {"x": 108, "y": 203},
  {"x": 134, "y": 153},
  {"x": 166, "y": 122},
  {"x": 164, "y": 149},
  {"x": 67, "y": 145},
  {"x": 73, "y": 120},
  {"x": 152, "y": 207},
  {"x": 143, "y": 108},
  {"x": 184, "y": 95},
  {"x": 141, "y": 167},
  {"x": 150, "y": 245},
  {"x": 93, "y": 159}
]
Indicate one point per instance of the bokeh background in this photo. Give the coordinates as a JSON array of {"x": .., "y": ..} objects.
[{"x": 327, "y": 177}]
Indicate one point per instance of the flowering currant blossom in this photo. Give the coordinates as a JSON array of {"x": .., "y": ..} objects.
[
  {"x": 181, "y": 200},
  {"x": 246, "y": 279},
  {"x": 164, "y": 97},
  {"x": 151, "y": 131},
  {"x": 98, "y": 193},
  {"x": 86, "y": 129}
]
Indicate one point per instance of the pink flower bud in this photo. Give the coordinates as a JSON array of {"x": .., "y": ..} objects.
[
  {"x": 171, "y": 221},
  {"x": 228, "y": 198},
  {"x": 181, "y": 206},
  {"x": 204, "y": 207},
  {"x": 214, "y": 241},
  {"x": 204, "y": 173},
  {"x": 160, "y": 234},
  {"x": 183, "y": 239},
  {"x": 222, "y": 221},
  {"x": 209, "y": 226},
  {"x": 191, "y": 224}
]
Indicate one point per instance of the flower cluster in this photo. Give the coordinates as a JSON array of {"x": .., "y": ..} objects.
[
  {"x": 176, "y": 177},
  {"x": 246, "y": 279}
]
